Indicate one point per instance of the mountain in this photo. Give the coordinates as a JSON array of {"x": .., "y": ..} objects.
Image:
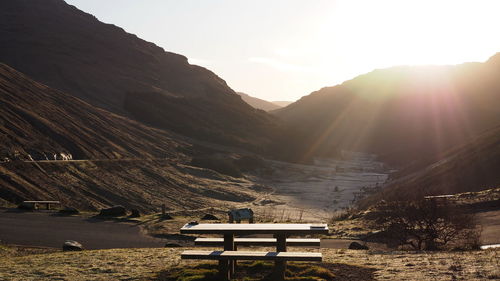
[
  {"x": 403, "y": 114},
  {"x": 39, "y": 121},
  {"x": 258, "y": 103},
  {"x": 69, "y": 50},
  {"x": 118, "y": 161},
  {"x": 471, "y": 167},
  {"x": 282, "y": 103}
]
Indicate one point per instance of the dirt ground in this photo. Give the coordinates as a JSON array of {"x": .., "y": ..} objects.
[
  {"x": 316, "y": 192},
  {"x": 491, "y": 227}
]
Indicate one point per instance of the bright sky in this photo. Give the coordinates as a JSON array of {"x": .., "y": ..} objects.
[{"x": 285, "y": 49}]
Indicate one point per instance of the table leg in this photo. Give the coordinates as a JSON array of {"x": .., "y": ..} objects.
[
  {"x": 224, "y": 270},
  {"x": 235, "y": 263},
  {"x": 280, "y": 266},
  {"x": 229, "y": 246}
]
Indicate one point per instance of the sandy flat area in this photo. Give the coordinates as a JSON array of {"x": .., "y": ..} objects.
[{"x": 316, "y": 192}]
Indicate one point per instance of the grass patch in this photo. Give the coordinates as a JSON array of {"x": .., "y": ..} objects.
[{"x": 249, "y": 271}]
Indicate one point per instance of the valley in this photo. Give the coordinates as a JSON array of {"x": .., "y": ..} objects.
[{"x": 395, "y": 170}]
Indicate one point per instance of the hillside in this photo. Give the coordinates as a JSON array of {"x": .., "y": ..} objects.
[
  {"x": 472, "y": 167},
  {"x": 41, "y": 122},
  {"x": 258, "y": 103},
  {"x": 401, "y": 113},
  {"x": 282, "y": 103},
  {"x": 69, "y": 50},
  {"x": 121, "y": 161}
]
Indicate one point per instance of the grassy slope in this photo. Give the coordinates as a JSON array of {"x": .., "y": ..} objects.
[
  {"x": 141, "y": 184},
  {"x": 147, "y": 264},
  {"x": 36, "y": 119}
]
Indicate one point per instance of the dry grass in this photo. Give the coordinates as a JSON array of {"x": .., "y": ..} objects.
[{"x": 148, "y": 264}]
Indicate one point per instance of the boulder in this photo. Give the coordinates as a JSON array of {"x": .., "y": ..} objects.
[
  {"x": 134, "y": 213},
  {"x": 208, "y": 217},
  {"x": 357, "y": 246},
  {"x": 115, "y": 211},
  {"x": 69, "y": 211},
  {"x": 166, "y": 216},
  {"x": 71, "y": 245}
]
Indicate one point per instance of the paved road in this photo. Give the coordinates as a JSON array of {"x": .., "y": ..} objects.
[{"x": 48, "y": 230}]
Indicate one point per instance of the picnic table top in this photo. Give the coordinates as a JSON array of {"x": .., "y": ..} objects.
[{"x": 257, "y": 228}]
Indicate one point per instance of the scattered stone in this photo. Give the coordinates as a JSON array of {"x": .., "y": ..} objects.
[
  {"x": 71, "y": 245},
  {"x": 172, "y": 245},
  {"x": 357, "y": 246},
  {"x": 69, "y": 211},
  {"x": 209, "y": 217},
  {"x": 135, "y": 213},
  {"x": 115, "y": 211},
  {"x": 27, "y": 206}
]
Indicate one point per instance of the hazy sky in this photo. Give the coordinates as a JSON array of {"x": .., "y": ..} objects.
[{"x": 285, "y": 49}]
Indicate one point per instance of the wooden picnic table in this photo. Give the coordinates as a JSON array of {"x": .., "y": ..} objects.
[
  {"x": 46, "y": 202},
  {"x": 279, "y": 230}
]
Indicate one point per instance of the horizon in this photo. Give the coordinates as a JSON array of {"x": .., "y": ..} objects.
[{"x": 306, "y": 47}]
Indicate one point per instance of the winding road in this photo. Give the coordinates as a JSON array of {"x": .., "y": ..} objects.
[{"x": 50, "y": 230}]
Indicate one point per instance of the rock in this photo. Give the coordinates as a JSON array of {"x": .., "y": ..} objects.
[
  {"x": 172, "y": 245},
  {"x": 115, "y": 211},
  {"x": 69, "y": 211},
  {"x": 26, "y": 206},
  {"x": 357, "y": 246},
  {"x": 135, "y": 213},
  {"x": 166, "y": 217},
  {"x": 209, "y": 217},
  {"x": 71, "y": 245}
]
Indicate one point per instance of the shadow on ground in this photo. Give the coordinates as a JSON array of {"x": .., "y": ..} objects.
[{"x": 261, "y": 271}]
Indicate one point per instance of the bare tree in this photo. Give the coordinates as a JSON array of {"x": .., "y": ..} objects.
[{"x": 427, "y": 224}]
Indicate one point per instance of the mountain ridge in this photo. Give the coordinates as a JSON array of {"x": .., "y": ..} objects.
[{"x": 399, "y": 113}]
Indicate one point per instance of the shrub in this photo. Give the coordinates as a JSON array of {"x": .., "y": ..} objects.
[{"x": 427, "y": 224}]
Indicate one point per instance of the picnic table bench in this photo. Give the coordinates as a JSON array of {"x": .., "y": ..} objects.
[{"x": 229, "y": 255}]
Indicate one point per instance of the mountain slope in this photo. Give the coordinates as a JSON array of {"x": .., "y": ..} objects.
[
  {"x": 472, "y": 167},
  {"x": 72, "y": 51},
  {"x": 38, "y": 120},
  {"x": 258, "y": 103},
  {"x": 400, "y": 113},
  {"x": 121, "y": 161},
  {"x": 282, "y": 103}
]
